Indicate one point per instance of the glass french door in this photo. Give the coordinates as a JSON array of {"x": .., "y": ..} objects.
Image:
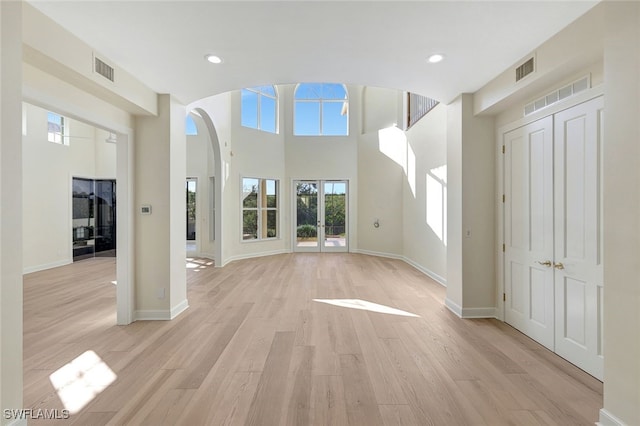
[
  {"x": 191, "y": 186},
  {"x": 321, "y": 215}
]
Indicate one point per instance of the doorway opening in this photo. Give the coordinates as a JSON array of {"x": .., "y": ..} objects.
[{"x": 94, "y": 218}]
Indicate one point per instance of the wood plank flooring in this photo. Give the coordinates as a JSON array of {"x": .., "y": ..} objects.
[{"x": 293, "y": 339}]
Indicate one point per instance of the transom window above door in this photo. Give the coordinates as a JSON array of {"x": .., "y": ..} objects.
[{"x": 321, "y": 109}]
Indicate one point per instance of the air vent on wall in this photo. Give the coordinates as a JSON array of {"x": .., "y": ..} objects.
[
  {"x": 103, "y": 68},
  {"x": 525, "y": 69},
  {"x": 557, "y": 95}
]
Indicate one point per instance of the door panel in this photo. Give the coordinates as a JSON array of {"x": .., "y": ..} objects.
[
  {"x": 307, "y": 218},
  {"x": 579, "y": 276},
  {"x": 334, "y": 208},
  {"x": 529, "y": 230}
]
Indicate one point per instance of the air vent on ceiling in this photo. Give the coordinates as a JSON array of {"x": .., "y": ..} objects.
[
  {"x": 557, "y": 95},
  {"x": 525, "y": 69},
  {"x": 103, "y": 68}
]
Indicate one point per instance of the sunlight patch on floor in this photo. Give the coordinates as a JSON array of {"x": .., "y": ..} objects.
[
  {"x": 198, "y": 264},
  {"x": 80, "y": 381},
  {"x": 366, "y": 306}
]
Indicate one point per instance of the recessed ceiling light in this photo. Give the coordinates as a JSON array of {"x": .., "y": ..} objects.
[
  {"x": 213, "y": 59},
  {"x": 435, "y": 58}
]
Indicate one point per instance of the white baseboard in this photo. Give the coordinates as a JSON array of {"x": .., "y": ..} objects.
[
  {"x": 479, "y": 313},
  {"x": 469, "y": 313},
  {"x": 437, "y": 278},
  {"x": 453, "y": 307},
  {"x": 43, "y": 267},
  {"x": 179, "y": 308},
  {"x": 608, "y": 419},
  {"x": 377, "y": 253},
  {"x": 253, "y": 255},
  {"x": 152, "y": 315}
]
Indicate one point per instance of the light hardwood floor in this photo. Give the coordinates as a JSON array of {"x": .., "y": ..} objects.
[{"x": 263, "y": 343}]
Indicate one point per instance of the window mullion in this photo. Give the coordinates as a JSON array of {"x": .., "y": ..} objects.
[
  {"x": 321, "y": 111},
  {"x": 258, "y": 110}
]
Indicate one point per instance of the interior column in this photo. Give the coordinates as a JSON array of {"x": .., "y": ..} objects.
[
  {"x": 471, "y": 200},
  {"x": 11, "y": 204},
  {"x": 160, "y": 243}
]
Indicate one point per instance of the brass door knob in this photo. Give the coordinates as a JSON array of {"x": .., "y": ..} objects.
[
  {"x": 558, "y": 265},
  {"x": 546, "y": 263}
]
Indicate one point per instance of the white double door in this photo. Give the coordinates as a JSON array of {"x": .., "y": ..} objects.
[
  {"x": 322, "y": 215},
  {"x": 553, "y": 233}
]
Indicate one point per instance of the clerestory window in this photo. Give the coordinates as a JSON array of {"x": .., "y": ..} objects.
[
  {"x": 57, "y": 129},
  {"x": 259, "y": 108},
  {"x": 321, "y": 109}
]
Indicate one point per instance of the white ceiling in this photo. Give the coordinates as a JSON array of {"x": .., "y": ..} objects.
[{"x": 372, "y": 43}]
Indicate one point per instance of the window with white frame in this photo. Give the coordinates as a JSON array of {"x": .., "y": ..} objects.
[
  {"x": 321, "y": 109},
  {"x": 259, "y": 209},
  {"x": 57, "y": 129},
  {"x": 190, "y": 127},
  {"x": 259, "y": 108}
]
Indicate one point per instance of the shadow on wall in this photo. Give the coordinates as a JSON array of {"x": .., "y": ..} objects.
[{"x": 393, "y": 143}]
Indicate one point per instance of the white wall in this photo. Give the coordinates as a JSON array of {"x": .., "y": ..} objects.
[
  {"x": 48, "y": 169},
  {"x": 621, "y": 169},
  {"x": 380, "y": 173},
  {"x": 425, "y": 195}
]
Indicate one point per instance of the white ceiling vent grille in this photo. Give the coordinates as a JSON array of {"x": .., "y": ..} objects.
[
  {"x": 102, "y": 68},
  {"x": 525, "y": 69},
  {"x": 556, "y": 96}
]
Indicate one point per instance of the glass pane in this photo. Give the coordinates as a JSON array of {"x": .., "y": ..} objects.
[
  {"x": 190, "y": 126},
  {"x": 83, "y": 219},
  {"x": 271, "y": 193},
  {"x": 249, "y": 109},
  {"x": 55, "y": 130},
  {"x": 105, "y": 216},
  {"x": 333, "y": 91},
  {"x": 335, "y": 199},
  {"x": 307, "y": 214},
  {"x": 309, "y": 91},
  {"x": 250, "y": 192},
  {"x": 270, "y": 218},
  {"x": 307, "y": 119},
  {"x": 268, "y": 90},
  {"x": 335, "y": 119},
  {"x": 191, "y": 209},
  {"x": 267, "y": 114},
  {"x": 250, "y": 224}
]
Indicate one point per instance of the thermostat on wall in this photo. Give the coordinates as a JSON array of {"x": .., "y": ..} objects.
[{"x": 145, "y": 209}]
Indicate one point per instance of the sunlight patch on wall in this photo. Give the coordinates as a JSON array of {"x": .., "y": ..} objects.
[
  {"x": 80, "y": 381},
  {"x": 364, "y": 305},
  {"x": 392, "y": 142},
  {"x": 436, "y": 197},
  {"x": 411, "y": 169}
]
